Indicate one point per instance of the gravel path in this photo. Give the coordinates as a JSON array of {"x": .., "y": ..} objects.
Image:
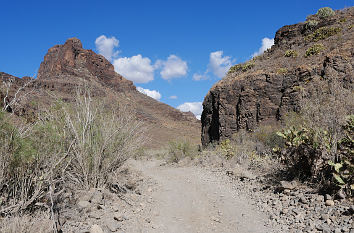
[{"x": 191, "y": 199}]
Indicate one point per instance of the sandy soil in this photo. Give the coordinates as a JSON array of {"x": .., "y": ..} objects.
[{"x": 190, "y": 199}]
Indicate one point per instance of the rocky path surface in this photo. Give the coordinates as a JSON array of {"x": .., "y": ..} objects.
[{"x": 191, "y": 199}]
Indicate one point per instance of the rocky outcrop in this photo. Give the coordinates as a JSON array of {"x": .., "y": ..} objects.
[
  {"x": 265, "y": 88},
  {"x": 70, "y": 59}
]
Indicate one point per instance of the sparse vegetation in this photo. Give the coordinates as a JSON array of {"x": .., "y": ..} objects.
[
  {"x": 68, "y": 145},
  {"x": 314, "y": 50},
  {"x": 325, "y": 12},
  {"x": 311, "y": 25},
  {"x": 323, "y": 33},
  {"x": 242, "y": 67},
  {"x": 291, "y": 53},
  {"x": 180, "y": 149},
  {"x": 282, "y": 71},
  {"x": 321, "y": 143}
]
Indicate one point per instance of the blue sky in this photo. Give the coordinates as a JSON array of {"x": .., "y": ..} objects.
[{"x": 161, "y": 45}]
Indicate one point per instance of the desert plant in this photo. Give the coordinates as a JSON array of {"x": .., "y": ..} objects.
[
  {"x": 314, "y": 50},
  {"x": 180, "y": 149},
  {"x": 31, "y": 163},
  {"x": 242, "y": 67},
  {"x": 282, "y": 71},
  {"x": 311, "y": 25},
  {"x": 227, "y": 148},
  {"x": 323, "y": 33},
  {"x": 290, "y": 53},
  {"x": 103, "y": 139},
  {"x": 320, "y": 136},
  {"x": 325, "y": 12}
]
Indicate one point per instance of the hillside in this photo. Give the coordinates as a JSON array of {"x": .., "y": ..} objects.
[
  {"x": 69, "y": 66},
  {"x": 265, "y": 88}
]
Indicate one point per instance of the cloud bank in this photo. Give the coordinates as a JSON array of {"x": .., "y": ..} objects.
[{"x": 136, "y": 68}]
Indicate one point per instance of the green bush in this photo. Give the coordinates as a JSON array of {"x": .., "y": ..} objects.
[
  {"x": 242, "y": 67},
  {"x": 290, "y": 53},
  {"x": 323, "y": 33},
  {"x": 325, "y": 12},
  {"x": 314, "y": 50},
  {"x": 180, "y": 149},
  {"x": 282, "y": 71},
  {"x": 311, "y": 25}
]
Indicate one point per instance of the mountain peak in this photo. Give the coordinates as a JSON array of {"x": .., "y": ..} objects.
[{"x": 71, "y": 59}]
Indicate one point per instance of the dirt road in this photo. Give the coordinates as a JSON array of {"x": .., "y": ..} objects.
[{"x": 191, "y": 199}]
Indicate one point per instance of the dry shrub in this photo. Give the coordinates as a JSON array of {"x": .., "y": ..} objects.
[
  {"x": 31, "y": 158},
  {"x": 103, "y": 139},
  {"x": 70, "y": 145},
  {"x": 179, "y": 149}
]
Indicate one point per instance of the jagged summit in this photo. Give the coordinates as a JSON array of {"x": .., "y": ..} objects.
[{"x": 70, "y": 59}]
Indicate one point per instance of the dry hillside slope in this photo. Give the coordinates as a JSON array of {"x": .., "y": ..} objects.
[{"x": 68, "y": 66}]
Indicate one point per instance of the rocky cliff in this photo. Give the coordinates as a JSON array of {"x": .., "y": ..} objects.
[
  {"x": 263, "y": 89},
  {"x": 68, "y": 66}
]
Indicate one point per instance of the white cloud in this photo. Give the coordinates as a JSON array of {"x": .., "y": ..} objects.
[
  {"x": 105, "y": 46},
  {"x": 173, "y": 67},
  {"x": 218, "y": 64},
  {"x": 136, "y": 68},
  {"x": 152, "y": 93},
  {"x": 173, "y": 97},
  {"x": 266, "y": 44},
  {"x": 195, "y": 107},
  {"x": 198, "y": 77}
]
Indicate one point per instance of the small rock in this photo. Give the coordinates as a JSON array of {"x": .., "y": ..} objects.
[
  {"x": 112, "y": 225},
  {"x": 83, "y": 204},
  {"x": 303, "y": 200},
  {"x": 287, "y": 191},
  {"x": 341, "y": 194},
  {"x": 288, "y": 185},
  {"x": 324, "y": 216},
  {"x": 328, "y": 197},
  {"x": 216, "y": 219},
  {"x": 97, "y": 197},
  {"x": 96, "y": 229},
  {"x": 329, "y": 203},
  {"x": 95, "y": 215},
  {"x": 337, "y": 230},
  {"x": 118, "y": 217},
  {"x": 284, "y": 211},
  {"x": 320, "y": 198}
]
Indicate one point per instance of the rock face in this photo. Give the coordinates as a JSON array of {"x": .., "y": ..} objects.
[
  {"x": 269, "y": 86},
  {"x": 71, "y": 59}
]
